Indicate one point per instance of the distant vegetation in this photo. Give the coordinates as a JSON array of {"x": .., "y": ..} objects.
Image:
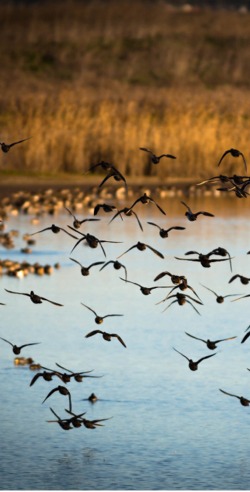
[{"x": 96, "y": 80}]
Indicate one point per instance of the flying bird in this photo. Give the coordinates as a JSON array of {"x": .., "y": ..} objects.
[
  {"x": 16, "y": 350},
  {"x": 175, "y": 279},
  {"x": 117, "y": 177},
  {"x": 219, "y": 298},
  {"x": 55, "y": 229},
  {"x": 36, "y": 299},
  {"x": 92, "y": 241},
  {"x": 128, "y": 212},
  {"x": 154, "y": 158},
  {"x": 244, "y": 280},
  {"x": 99, "y": 319},
  {"x": 106, "y": 336},
  {"x": 63, "y": 391},
  {"x": 181, "y": 299},
  {"x": 85, "y": 271},
  {"x": 165, "y": 232},
  {"x": 145, "y": 290},
  {"x": 234, "y": 153},
  {"x": 64, "y": 423},
  {"x": 209, "y": 343},
  {"x": 141, "y": 247},
  {"x": 191, "y": 364},
  {"x": 78, "y": 376},
  {"x": 77, "y": 223},
  {"x": 244, "y": 401},
  {"x": 117, "y": 265},
  {"x": 193, "y": 216},
  {"x": 106, "y": 208},
  {"x": 6, "y": 147},
  {"x": 145, "y": 199}
]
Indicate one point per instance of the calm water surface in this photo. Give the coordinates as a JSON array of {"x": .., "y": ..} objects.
[{"x": 171, "y": 428}]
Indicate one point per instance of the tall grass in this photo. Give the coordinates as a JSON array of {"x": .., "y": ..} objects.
[{"x": 96, "y": 80}]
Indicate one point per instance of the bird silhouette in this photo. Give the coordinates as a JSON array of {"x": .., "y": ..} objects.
[
  {"x": 36, "y": 299},
  {"x": 77, "y": 223},
  {"x": 117, "y": 265},
  {"x": 92, "y": 241},
  {"x": 165, "y": 232},
  {"x": 78, "y": 376},
  {"x": 193, "y": 216},
  {"x": 191, "y": 364},
  {"x": 99, "y": 319},
  {"x": 242, "y": 297},
  {"x": 128, "y": 212},
  {"x": 203, "y": 259},
  {"x": 244, "y": 401},
  {"x": 244, "y": 280},
  {"x": 154, "y": 158},
  {"x": 219, "y": 298},
  {"x": 89, "y": 424},
  {"x": 212, "y": 345},
  {"x": 85, "y": 271},
  {"x": 114, "y": 173},
  {"x": 222, "y": 252},
  {"x": 246, "y": 336},
  {"x": 16, "y": 350},
  {"x": 145, "y": 290},
  {"x": 145, "y": 199},
  {"x": 141, "y": 247},
  {"x": 175, "y": 279},
  {"x": 234, "y": 153},
  {"x": 106, "y": 336},
  {"x": 6, "y": 147},
  {"x": 47, "y": 375},
  {"x": 55, "y": 229},
  {"x": 105, "y": 207},
  {"x": 63, "y": 391},
  {"x": 183, "y": 285},
  {"x": 181, "y": 299},
  {"x": 104, "y": 165},
  {"x": 65, "y": 424}
]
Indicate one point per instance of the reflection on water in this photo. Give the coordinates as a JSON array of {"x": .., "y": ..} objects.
[{"x": 171, "y": 428}]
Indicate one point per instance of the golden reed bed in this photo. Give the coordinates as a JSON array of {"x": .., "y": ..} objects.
[{"x": 96, "y": 80}]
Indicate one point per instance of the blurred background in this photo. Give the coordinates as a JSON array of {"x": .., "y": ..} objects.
[{"x": 92, "y": 80}]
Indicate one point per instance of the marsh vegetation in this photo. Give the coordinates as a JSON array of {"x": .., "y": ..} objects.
[{"x": 96, "y": 80}]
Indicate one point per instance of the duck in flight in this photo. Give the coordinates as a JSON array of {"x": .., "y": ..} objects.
[
  {"x": 77, "y": 223},
  {"x": 55, "y": 229},
  {"x": 16, "y": 350},
  {"x": 145, "y": 290},
  {"x": 175, "y": 279},
  {"x": 47, "y": 375},
  {"x": 106, "y": 336},
  {"x": 141, "y": 247},
  {"x": 36, "y": 299},
  {"x": 117, "y": 177},
  {"x": 105, "y": 207},
  {"x": 145, "y": 199},
  {"x": 85, "y": 271},
  {"x": 78, "y": 376},
  {"x": 128, "y": 212},
  {"x": 193, "y": 366},
  {"x": 6, "y": 147},
  {"x": 219, "y": 298},
  {"x": 165, "y": 232},
  {"x": 192, "y": 216},
  {"x": 99, "y": 319},
  {"x": 155, "y": 159},
  {"x": 63, "y": 391},
  {"x": 212, "y": 345},
  {"x": 203, "y": 259},
  {"x": 117, "y": 265},
  {"x": 89, "y": 424},
  {"x": 243, "y": 280},
  {"x": 65, "y": 424},
  {"x": 92, "y": 241},
  {"x": 233, "y": 153},
  {"x": 181, "y": 299},
  {"x": 244, "y": 401}
]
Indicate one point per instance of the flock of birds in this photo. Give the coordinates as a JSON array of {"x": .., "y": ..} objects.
[{"x": 179, "y": 283}]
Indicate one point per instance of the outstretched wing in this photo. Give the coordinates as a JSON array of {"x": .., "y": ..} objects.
[
  {"x": 90, "y": 309},
  {"x": 119, "y": 338},
  {"x": 230, "y": 394},
  {"x": 92, "y": 333},
  {"x": 196, "y": 338},
  {"x": 206, "y": 357},
  {"x": 222, "y": 157},
  {"x": 51, "y": 302},
  {"x": 155, "y": 251}
]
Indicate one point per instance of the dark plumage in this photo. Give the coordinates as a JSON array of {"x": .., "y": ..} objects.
[
  {"x": 36, "y": 299},
  {"x": 117, "y": 265},
  {"x": 128, "y": 212},
  {"x": 234, "y": 153},
  {"x": 16, "y": 350},
  {"x": 106, "y": 336},
  {"x": 141, "y": 247},
  {"x": 209, "y": 343},
  {"x": 63, "y": 391},
  {"x": 91, "y": 240},
  {"x": 191, "y": 364},
  {"x": 244, "y": 280},
  {"x": 181, "y": 299},
  {"x": 244, "y": 401},
  {"x": 145, "y": 199},
  {"x": 246, "y": 336},
  {"x": 6, "y": 147},
  {"x": 55, "y": 229},
  {"x": 219, "y": 298},
  {"x": 105, "y": 207},
  {"x": 99, "y": 319},
  {"x": 145, "y": 290},
  {"x": 85, "y": 271},
  {"x": 165, "y": 232},
  {"x": 193, "y": 216},
  {"x": 77, "y": 223},
  {"x": 154, "y": 158}
]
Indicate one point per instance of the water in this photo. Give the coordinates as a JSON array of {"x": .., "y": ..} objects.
[{"x": 169, "y": 428}]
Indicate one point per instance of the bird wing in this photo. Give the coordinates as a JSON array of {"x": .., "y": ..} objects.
[
  {"x": 92, "y": 333},
  {"x": 160, "y": 275},
  {"x": 230, "y": 394},
  {"x": 78, "y": 242},
  {"x": 244, "y": 160},
  {"x": 64, "y": 368},
  {"x": 222, "y": 157},
  {"x": 51, "y": 302},
  {"x": 170, "y": 156},
  {"x": 189, "y": 209},
  {"x": 28, "y": 344},
  {"x": 71, "y": 235},
  {"x": 138, "y": 220},
  {"x": 130, "y": 282},
  {"x": 193, "y": 307},
  {"x": 146, "y": 150},
  {"x": 245, "y": 337},
  {"x": 132, "y": 247},
  {"x": 153, "y": 224},
  {"x": 19, "y": 141},
  {"x": 90, "y": 309},
  {"x": 196, "y": 338},
  {"x": 50, "y": 393},
  {"x": 155, "y": 251},
  {"x": 224, "y": 339},
  {"x": 13, "y": 292},
  {"x": 42, "y": 230},
  {"x": 158, "y": 206},
  {"x": 7, "y": 341},
  {"x": 181, "y": 354},
  {"x": 210, "y": 290},
  {"x": 35, "y": 378},
  {"x": 169, "y": 304},
  {"x": 233, "y": 278},
  {"x": 206, "y": 357},
  {"x": 119, "y": 338},
  {"x": 108, "y": 315},
  {"x": 96, "y": 263},
  {"x": 119, "y": 212},
  {"x": 78, "y": 262},
  {"x": 97, "y": 208},
  {"x": 238, "y": 298},
  {"x": 204, "y": 213},
  {"x": 176, "y": 228}
]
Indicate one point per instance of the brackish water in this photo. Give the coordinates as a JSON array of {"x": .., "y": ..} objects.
[{"x": 169, "y": 427}]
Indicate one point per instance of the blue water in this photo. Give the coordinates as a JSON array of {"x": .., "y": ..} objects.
[{"x": 169, "y": 428}]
